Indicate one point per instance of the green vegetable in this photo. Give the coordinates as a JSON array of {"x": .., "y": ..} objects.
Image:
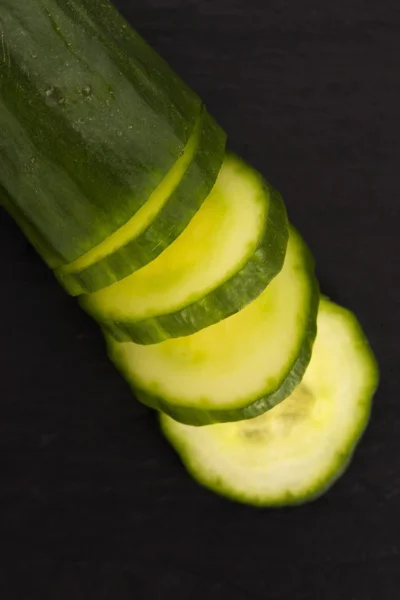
[
  {"x": 240, "y": 367},
  {"x": 92, "y": 119},
  {"x": 159, "y": 221},
  {"x": 47, "y": 253},
  {"x": 230, "y": 251},
  {"x": 117, "y": 175},
  {"x": 297, "y": 450}
]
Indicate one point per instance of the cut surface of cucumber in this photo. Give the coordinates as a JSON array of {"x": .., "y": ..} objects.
[
  {"x": 159, "y": 221},
  {"x": 297, "y": 450},
  {"x": 227, "y": 255},
  {"x": 239, "y": 367}
]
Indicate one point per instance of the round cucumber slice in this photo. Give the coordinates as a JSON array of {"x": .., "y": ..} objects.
[
  {"x": 230, "y": 251},
  {"x": 159, "y": 221},
  {"x": 295, "y": 452},
  {"x": 240, "y": 367}
]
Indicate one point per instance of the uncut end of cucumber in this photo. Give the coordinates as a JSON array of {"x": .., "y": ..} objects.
[{"x": 296, "y": 451}]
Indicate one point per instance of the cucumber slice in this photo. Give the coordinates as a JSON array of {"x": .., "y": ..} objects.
[
  {"x": 227, "y": 255},
  {"x": 240, "y": 367},
  {"x": 159, "y": 221},
  {"x": 296, "y": 451}
]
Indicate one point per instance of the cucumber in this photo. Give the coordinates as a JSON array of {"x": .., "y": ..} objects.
[
  {"x": 227, "y": 255},
  {"x": 159, "y": 221},
  {"x": 295, "y": 452},
  {"x": 240, "y": 367},
  {"x": 50, "y": 257},
  {"x": 92, "y": 119}
]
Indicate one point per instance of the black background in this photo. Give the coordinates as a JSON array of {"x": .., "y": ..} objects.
[{"x": 94, "y": 503}]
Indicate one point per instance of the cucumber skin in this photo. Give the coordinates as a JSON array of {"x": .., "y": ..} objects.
[
  {"x": 225, "y": 300},
  {"x": 320, "y": 488},
  {"x": 254, "y": 407},
  {"x": 172, "y": 219},
  {"x": 50, "y": 257},
  {"x": 98, "y": 116}
]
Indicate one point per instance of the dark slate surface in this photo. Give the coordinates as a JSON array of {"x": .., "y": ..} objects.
[{"x": 94, "y": 504}]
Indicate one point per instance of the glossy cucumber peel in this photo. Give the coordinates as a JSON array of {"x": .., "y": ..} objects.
[
  {"x": 50, "y": 257},
  {"x": 231, "y": 250},
  {"x": 240, "y": 367},
  {"x": 295, "y": 452},
  {"x": 159, "y": 221},
  {"x": 92, "y": 119}
]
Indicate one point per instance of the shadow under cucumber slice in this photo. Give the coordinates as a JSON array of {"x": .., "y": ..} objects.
[
  {"x": 240, "y": 367},
  {"x": 231, "y": 250},
  {"x": 159, "y": 221}
]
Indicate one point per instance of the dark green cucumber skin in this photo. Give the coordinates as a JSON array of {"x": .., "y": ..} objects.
[
  {"x": 169, "y": 223},
  {"x": 51, "y": 258},
  {"x": 190, "y": 415},
  {"x": 227, "y": 299},
  {"x": 91, "y": 118}
]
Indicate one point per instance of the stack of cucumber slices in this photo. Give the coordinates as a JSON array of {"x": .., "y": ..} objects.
[{"x": 183, "y": 253}]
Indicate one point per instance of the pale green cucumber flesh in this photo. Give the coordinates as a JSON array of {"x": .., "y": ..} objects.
[
  {"x": 198, "y": 417},
  {"x": 159, "y": 221},
  {"x": 295, "y": 452},
  {"x": 239, "y": 367},
  {"x": 230, "y": 251}
]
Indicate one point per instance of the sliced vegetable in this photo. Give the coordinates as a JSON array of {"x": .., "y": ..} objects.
[
  {"x": 91, "y": 119},
  {"x": 297, "y": 450},
  {"x": 227, "y": 255},
  {"x": 50, "y": 257},
  {"x": 116, "y": 174},
  {"x": 240, "y": 367},
  {"x": 159, "y": 221}
]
